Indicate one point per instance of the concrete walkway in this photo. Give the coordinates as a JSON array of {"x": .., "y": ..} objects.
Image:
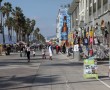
[{"x": 61, "y": 73}]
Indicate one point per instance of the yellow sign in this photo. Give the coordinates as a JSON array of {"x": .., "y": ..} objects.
[{"x": 90, "y": 69}]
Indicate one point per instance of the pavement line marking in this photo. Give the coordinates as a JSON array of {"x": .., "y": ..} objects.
[
  {"x": 66, "y": 82},
  {"x": 104, "y": 83},
  {"x": 98, "y": 79}
]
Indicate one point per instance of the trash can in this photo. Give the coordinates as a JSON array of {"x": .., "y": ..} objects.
[{"x": 76, "y": 53}]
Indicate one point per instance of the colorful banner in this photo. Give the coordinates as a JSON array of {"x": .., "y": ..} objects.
[
  {"x": 90, "y": 69},
  {"x": 64, "y": 36}
]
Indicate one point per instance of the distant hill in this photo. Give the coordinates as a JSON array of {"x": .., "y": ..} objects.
[
  {"x": 48, "y": 38},
  {"x": 7, "y": 39}
]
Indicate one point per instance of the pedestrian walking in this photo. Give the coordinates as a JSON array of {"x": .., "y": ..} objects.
[
  {"x": 86, "y": 42},
  {"x": 28, "y": 53},
  {"x": 25, "y": 50},
  {"x": 50, "y": 52},
  {"x": 57, "y": 49},
  {"x": 106, "y": 36},
  {"x": 64, "y": 48},
  {"x": 33, "y": 52},
  {"x": 43, "y": 53},
  {"x": 21, "y": 50}
]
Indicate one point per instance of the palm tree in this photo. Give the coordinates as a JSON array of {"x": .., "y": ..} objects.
[
  {"x": 33, "y": 22},
  {"x": 19, "y": 19},
  {"x": 36, "y": 33},
  {"x": 2, "y": 21},
  {"x": 28, "y": 28},
  {"x": 16, "y": 29},
  {"x": 6, "y": 9},
  {"x": 9, "y": 24}
]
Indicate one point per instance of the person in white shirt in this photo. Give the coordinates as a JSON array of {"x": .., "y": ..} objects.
[
  {"x": 43, "y": 53},
  {"x": 33, "y": 52},
  {"x": 50, "y": 52}
]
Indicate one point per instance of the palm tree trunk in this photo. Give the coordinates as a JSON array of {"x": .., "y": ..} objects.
[
  {"x": 11, "y": 33},
  {"x": 23, "y": 37},
  {"x": 27, "y": 38},
  {"x": 17, "y": 37},
  {"x": 19, "y": 33},
  {"x": 3, "y": 31}
]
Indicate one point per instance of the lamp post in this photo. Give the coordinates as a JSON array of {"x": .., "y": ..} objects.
[
  {"x": 109, "y": 66},
  {"x": 109, "y": 57}
]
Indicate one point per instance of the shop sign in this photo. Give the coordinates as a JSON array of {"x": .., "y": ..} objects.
[{"x": 90, "y": 68}]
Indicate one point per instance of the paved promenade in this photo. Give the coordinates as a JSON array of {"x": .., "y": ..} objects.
[{"x": 62, "y": 73}]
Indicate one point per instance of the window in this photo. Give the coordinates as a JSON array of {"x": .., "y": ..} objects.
[
  {"x": 86, "y": 2},
  {"x": 95, "y": 1},
  {"x": 99, "y": 4},
  {"x": 94, "y": 6},
  {"x": 105, "y": 2}
]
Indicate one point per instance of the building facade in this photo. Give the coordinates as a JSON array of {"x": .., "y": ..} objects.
[
  {"x": 74, "y": 15},
  {"x": 87, "y": 14}
]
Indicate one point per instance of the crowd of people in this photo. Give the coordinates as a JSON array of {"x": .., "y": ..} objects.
[
  {"x": 93, "y": 44},
  {"x": 88, "y": 43}
]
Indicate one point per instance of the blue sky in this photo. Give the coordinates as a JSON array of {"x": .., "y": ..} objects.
[{"x": 43, "y": 11}]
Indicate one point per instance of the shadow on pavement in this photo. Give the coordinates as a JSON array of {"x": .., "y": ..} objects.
[
  {"x": 19, "y": 61},
  {"x": 101, "y": 77},
  {"x": 14, "y": 82},
  {"x": 67, "y": 64},
  {"x": 17, "y": 82}
]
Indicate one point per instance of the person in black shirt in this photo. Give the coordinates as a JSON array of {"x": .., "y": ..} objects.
[{"x": 106, "y": 35}]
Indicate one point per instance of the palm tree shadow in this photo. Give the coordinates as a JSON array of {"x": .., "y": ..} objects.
[{"x": 7, "y": 83}]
